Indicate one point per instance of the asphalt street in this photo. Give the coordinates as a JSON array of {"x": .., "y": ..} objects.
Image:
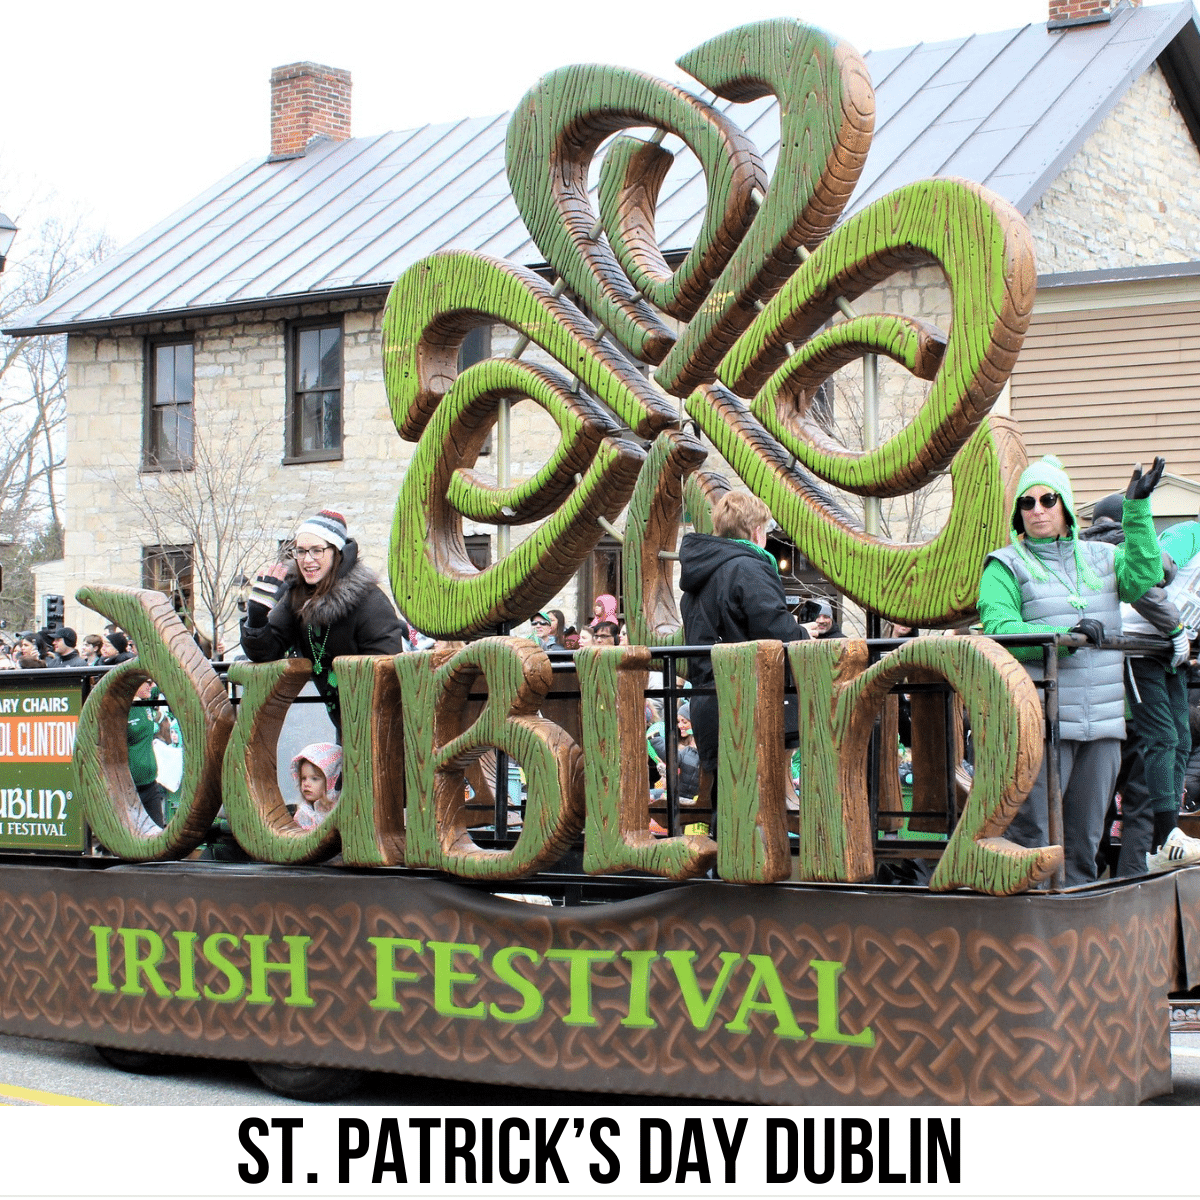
[{"x": 44, "y": 1072}]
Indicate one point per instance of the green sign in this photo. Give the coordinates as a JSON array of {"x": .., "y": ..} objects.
[{"x": 38, "y": 810}]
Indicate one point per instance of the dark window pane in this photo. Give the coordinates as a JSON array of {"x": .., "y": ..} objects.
[
  {"x": 310, "y": 421},
  {"x": 308, "y": 359},
  {"x": 183, "y": 374},
  {"x": 331, "y": 421},
  {"x": 476, "y": 346},
  {"x": 169, "y": 428},
  {"x": 184, "y": 429},
  {"x": 164, "y": 375},
  {"x": 317, "y": 397},
  {"x": 155, "y": 451},
  {"x": 331, "y": 358}
]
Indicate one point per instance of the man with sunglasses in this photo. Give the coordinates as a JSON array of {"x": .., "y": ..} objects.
[
  {"x": 543, "y": 630},
  {"x": 1047, "y": 580}
]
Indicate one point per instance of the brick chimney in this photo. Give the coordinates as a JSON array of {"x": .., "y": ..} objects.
[
  {"x": 1065, "y": 13},
  {"x": 308, "y": 101}
]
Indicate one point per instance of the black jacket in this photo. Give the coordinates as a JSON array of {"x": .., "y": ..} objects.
[
  {"x": 1154, "y": 605},
  {"x": 353, "y": 617},
  {"x": 731, "y": 593}
]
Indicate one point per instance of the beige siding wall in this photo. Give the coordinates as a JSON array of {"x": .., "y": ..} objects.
[{"x": 1105, "y": 387}]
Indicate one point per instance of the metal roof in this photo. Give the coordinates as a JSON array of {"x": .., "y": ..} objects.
[{"x": 346, "y": 218}]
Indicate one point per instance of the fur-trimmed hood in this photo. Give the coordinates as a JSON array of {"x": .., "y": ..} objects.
[{"x": 354, "y": 581}]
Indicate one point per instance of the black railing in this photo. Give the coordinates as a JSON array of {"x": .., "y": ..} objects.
[{"x": 493, "y": 822}]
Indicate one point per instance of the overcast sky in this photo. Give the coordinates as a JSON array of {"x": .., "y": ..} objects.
[{"x": 127, "y": 110}]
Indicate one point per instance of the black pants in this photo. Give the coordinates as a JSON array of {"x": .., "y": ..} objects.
[{"x": 151, "y": 796}]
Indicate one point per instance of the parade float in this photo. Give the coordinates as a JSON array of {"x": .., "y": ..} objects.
[{"x": 765, "y": 965}]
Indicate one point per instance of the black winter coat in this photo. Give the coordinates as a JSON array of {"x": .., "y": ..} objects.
[
  {"x": 731, "y": 593},
  {"x": 353, "y": 617}
]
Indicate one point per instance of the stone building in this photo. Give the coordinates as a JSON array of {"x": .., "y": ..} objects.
[{"x": 231, "y": 355}]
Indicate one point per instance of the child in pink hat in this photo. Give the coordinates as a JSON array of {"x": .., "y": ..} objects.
[{"x": 317, "y": 770}]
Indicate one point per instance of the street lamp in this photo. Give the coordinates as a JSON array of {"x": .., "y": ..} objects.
[{"x": 8, "y": 231}]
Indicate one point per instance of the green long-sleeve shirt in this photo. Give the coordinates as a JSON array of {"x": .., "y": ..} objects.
[{"x": 1138, "y": 568}]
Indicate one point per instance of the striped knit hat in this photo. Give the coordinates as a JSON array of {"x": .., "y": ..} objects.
[{"x": 329, "y": 526}]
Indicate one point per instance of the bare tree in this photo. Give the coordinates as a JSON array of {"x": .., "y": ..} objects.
[
  {"x": 212, "y": 520},
  {"x": 51, "y": 249},
  {"x": 914, "y": 516}
]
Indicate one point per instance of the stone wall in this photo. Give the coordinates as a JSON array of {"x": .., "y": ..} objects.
[
  {"x": 239, "y": 405},
  {"x": 1129, "y": 196}
]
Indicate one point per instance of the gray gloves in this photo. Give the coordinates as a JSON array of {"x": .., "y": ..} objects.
[{"x": 1182, "y": 648}]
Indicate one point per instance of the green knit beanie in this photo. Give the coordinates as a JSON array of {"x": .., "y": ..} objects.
[{"x": 1050, "y": 473}]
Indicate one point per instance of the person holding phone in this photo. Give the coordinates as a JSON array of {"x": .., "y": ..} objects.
[{"x": 320, "y": 604}]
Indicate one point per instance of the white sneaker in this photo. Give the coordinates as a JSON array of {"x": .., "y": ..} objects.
[{"x": 1178, "y": 850}]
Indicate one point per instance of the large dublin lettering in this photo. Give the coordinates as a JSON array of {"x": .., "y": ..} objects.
[{"x": 405, "y": 761}]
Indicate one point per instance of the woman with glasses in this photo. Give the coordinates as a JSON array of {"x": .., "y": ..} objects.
[
  {"x": 322, "y": 604},
  {"x": 1048, "y": 580}
]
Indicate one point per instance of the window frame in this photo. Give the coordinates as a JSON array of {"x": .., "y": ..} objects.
[
  {"x": 180, "y": 592},
  {"x": 291, "y": 451},
  {"x": 152, "y": 462}
]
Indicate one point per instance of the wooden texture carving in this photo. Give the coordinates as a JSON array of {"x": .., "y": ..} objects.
[
  {"x": 843, "y": 697},
  {"x": 835, "y": 819},
  {"x": 1003, "y": 708},
  {"x": 929, "y": 584},
  {"x": 752, "y": 845},
  {"x": 553, "y": 136},
  {"x": 370, "y": 810},
  {"x": 758, "y": 300},
  {"x": 827, "y": 115},
  {"x": 984, "y": 249},
  {"x": 258, "y": 814},
  {"x": 429, "y": 312},
  {"x": 653, "y": 524},
  {"x": 167, "y": 654},
  {"x": 439, "y": 743},
  {"x": 613, "y": 686}
]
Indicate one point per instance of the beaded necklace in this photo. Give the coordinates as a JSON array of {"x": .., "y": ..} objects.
[
  {"x": 318, "y": 654},
  {"x": 1074, "y": 598}
]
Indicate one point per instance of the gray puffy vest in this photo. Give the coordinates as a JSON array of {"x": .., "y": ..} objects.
[{"x": 1091, "y": 687}]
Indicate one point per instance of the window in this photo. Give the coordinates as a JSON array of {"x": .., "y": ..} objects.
[
  {"x": 600, "y": 572},
  {"x": 315, "y": 372},
  {"x": 167, "y": 444},
  {"x": 479, "y": 550},
  {"x": 168, "y": 569},
  {"x": 477, "y": 346},
  {"x": 820, "y": 407}
]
